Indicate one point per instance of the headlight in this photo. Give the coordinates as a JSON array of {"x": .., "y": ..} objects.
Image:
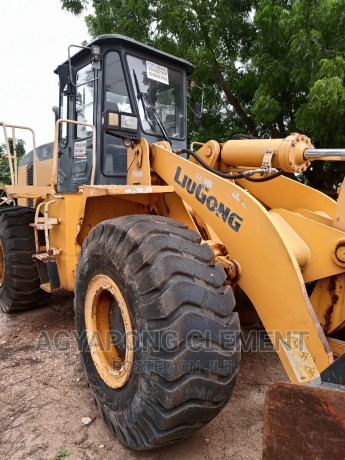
[
  {"x": 129, "y": 122},
  {"x": 121, "y": 124},
  {"x": 113, "y": 119}
]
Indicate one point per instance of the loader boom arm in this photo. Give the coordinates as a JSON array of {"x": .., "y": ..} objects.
[{"x": 271, "y": 275}]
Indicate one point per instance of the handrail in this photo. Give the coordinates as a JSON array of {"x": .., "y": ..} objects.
[
  {"x": 56, "y": 147},
  {"x": 14, "y": 166}
]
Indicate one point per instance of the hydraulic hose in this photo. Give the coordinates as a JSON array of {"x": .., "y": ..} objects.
[
  {"x": 267, "y": 178},
  {"x": 241, "y": 175}
]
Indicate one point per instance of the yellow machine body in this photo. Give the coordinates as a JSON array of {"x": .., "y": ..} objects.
[{"x": 274, "y": 237}]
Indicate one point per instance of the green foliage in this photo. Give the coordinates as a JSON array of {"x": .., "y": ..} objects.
[
  {"x": 63, "y": 454},
  {"x": 5, "y": 176},
  {"x": 212, "y": 35},
  {"x": 268, "y": 67},
  {"x": 265, "y": 109},
  {"x": 75, "y": 6}
]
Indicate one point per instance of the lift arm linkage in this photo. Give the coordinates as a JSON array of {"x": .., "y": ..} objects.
[{"x": 271, "y": 276}]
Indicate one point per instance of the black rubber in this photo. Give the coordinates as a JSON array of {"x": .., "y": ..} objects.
[
  {"x": 170, "y": 284},
  {"x": 21, "y": 286}
]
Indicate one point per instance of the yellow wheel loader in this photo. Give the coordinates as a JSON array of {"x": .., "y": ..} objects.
[{"x": 153, "y": 238}]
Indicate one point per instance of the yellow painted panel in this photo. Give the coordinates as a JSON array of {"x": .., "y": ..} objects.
[
  {"x": 318, "y": 216},
  {"x": 270, "y": 273},
  {"x": 286, "y": 193},
  {"x": 321, "y": 240}
]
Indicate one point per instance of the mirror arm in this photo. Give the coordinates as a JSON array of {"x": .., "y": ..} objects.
[
  {"x": 56, "y": 112},
  {"x": 95, "y": 62}
]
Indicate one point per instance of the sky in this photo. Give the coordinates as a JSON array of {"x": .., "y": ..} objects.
[{"x": 34, "y": 37}]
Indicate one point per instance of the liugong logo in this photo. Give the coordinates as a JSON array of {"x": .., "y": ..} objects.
[{"x": 201, "y": 194}]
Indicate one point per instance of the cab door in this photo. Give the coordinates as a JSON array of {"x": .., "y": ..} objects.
[{"x": 75, "y": 143}]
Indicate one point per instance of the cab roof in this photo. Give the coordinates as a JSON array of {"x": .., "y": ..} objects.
[{"x": 125, "y": 41}]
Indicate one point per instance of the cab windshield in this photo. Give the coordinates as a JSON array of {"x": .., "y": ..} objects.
[{"x": 159, "y": 92}]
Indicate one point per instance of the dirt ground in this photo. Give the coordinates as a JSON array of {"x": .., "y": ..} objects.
[{"x": 44, "y": 396}]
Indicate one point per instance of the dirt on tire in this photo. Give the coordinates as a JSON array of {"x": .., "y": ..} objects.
[
  {"x": 170, "y": 285},
  {"x": 46, "y": 407}
]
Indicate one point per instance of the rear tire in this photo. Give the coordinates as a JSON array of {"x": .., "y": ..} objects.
[
  {"x": 19, "y": 279},
  {"x": 170, "y": 286}
]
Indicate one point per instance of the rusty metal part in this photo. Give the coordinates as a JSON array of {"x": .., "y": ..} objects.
[
  {"x": 231, "y": 267},
  {"x": 303, "y": 422},
  {"x": 334, "y": 299},
  {"x": 102, "y": 295},
  {"x": 338, "y": 255},
  {"x": 139, "y": 156},
  {"x": 328, "y": 299},
  {"x": 337, "y": 346}
]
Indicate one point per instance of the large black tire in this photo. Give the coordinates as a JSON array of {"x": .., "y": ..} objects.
[
  {"x": 169, "y": 283},
  {"x": 20, "y": 283}
]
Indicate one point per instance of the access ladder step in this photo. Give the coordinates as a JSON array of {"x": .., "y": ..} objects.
[
  {"x": 45, "y": 256},
  {"x": 48, "y": 272}
]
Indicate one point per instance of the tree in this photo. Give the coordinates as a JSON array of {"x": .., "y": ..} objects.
[
  {"x": 5, "y": 175},
  {"x": 268, "y": 67},
  {"x": 212, "y": 35},
  {"x": 298, "y": 58}
]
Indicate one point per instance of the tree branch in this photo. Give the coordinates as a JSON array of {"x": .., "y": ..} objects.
[
  {"x": 220, "y": 77},
  {"x": 231, "y": 97}
]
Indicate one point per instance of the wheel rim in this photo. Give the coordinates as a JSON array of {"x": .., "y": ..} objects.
[
  {"x": 103, "y": 297},
  {"x": 2, "y": 265}
]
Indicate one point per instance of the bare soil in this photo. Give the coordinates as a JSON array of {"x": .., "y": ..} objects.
[{"x": 44, "y": 396}]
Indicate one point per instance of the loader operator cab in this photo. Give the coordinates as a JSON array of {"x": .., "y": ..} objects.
[{"x": 127, "y": 90}]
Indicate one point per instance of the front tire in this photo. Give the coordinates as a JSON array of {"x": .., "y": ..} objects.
[
  {"x": 150, "y": 274},
  {"x": 19, "y": 280}
]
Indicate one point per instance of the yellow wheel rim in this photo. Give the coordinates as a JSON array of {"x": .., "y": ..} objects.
[
  {"x": 102, "y": 295},
  {"x": 2, "y": 265}
]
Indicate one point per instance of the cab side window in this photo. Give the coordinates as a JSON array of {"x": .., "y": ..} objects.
[
  {"x": 63, "y": 114},
  {"x": 116, "y": 95},
  {"x": 116, "y": 98},
  {"x": 84, "y": 101}
]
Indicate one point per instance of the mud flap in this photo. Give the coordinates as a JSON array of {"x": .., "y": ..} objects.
[{"x": 307, "y": 421}]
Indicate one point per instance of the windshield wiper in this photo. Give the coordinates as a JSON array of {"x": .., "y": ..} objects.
[{"x": 148, "y": 106}]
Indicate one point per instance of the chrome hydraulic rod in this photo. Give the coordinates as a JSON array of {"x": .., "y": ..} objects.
[{"x": 324, "y": 154}]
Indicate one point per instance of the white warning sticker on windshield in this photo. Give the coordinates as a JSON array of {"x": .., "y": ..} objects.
[
  {"x": 157, "y": 72},
  {"x": 80, "y": 149}
]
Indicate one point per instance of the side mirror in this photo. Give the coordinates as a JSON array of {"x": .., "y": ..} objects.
[
  {"x": 121, "y": 124},
  {"x": 65, "y": 80},
  {"x": 199, "y": 106},
  {"x": 198, "y": 114},
  {"x": 56, "y": 112},
  {"x": 191, "y": 86}
]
